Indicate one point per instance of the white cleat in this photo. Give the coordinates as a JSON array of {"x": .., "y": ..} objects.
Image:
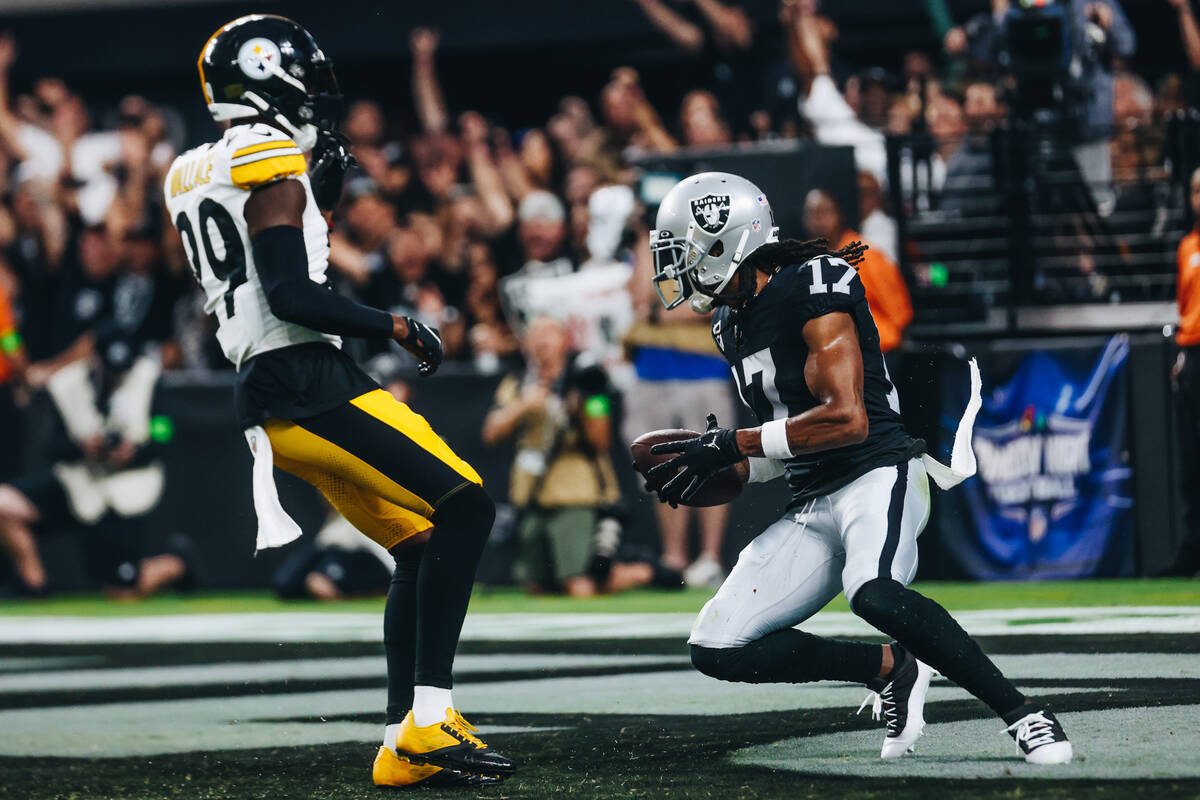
[
  {"x": 901, "y": 704},
  {"x": 1041, "y": 739}
]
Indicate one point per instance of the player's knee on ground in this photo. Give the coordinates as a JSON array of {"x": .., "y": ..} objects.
[
  {"x": 788, "y": 656},
  {"x": 879, "y": 600},
  {"x": 724, "y": 663}
]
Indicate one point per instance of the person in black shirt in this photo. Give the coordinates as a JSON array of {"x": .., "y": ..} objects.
[{"x": 792, "y": 320}]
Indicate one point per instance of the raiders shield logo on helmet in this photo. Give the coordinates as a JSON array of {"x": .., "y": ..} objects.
[{"x": 711, "y": 212}]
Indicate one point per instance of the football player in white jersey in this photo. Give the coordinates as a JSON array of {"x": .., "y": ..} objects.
[{"x": 249, "y": 211}]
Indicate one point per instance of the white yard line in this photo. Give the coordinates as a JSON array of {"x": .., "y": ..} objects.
[
  {"x": 333, "y": 626},
  {"x": 313, "y": 669},
  {"x": 248, "y": 717}
]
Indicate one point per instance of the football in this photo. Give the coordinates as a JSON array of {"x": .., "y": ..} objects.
[{"x": 718, "y": 490}]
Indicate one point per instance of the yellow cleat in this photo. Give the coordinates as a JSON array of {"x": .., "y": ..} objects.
[
  {"x": 451, "y": 744},
  {"x": 390, "y": 769}
]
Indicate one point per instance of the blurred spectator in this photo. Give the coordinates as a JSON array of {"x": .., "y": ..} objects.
[
  {"x": 1099, "y": 36},
  {"x": 542, "y": 232},
  {"x": 13, "y": 362},
  {"x": 384, "y": 160},
  {"x": 878, "y": 229},
  {"x": 1186, "y": 377},
  {"x": 106, "y": 479},
  {"x": 1170, "y": 97},
  {"x": 701, "y": 122},
  {"x": 969, "y": 183},
  {"x": 338, "y": 563},
  {"x": 680, "y": 375},
  {"x": 886, "y": 293},
  {"x": 867, "y": 94},
  {"x": 37, "y": 154},
  {"x": 1139, "y": 176},
  {"x": 406, "y": 285},
  {"x": 1189, "y": 29},
  {"x": 947, "y": 125},
  {"x": 488, "y": 331},
  {"x": 720, "y": 38},
  {"x": 834, "y": 121},
  {"x": 1133, "y": 102},
  {"x": 562, "y": 479},
  {"x": 629, "y": 117}
]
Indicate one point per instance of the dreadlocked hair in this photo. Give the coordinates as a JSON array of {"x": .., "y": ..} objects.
[
  {"x": 772, "y": 257},
  {"x": 775, "y": 256}
]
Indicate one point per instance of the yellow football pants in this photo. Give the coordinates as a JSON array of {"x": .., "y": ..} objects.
[{"x": 377, "y": 461}]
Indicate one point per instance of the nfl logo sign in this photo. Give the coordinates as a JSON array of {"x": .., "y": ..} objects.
[{"x": 711, "y": 212}]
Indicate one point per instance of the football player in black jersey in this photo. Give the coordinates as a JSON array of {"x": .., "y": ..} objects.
[{"x": 792, "y": 320}]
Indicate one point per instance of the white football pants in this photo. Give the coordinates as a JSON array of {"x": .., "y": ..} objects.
[{"x": 867, "y": 529}]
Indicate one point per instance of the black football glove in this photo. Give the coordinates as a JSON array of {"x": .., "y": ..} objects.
[
  {"x": 699, "y": 459},
  {"x": 424, "y": 343},
  {"x": 331, "y": 160}
]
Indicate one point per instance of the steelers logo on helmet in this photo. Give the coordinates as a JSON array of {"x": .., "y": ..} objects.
[
  {"x": 711, "y": 212},
  {"x": 255, "y": 55}
]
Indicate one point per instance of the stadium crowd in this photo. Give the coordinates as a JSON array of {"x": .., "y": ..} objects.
[{"x": 475, "y": 229}]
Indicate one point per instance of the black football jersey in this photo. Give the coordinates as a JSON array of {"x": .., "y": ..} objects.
[{"x": 764, "y": 345}]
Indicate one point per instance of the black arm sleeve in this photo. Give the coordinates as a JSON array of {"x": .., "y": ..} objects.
[{"x": 282, "y": 265}]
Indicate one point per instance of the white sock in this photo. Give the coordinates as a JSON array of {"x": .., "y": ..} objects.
[
  {"x": 430, "y": 704},
  {"x": 389, "y": 736}
]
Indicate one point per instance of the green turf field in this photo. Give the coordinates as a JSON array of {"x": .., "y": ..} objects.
[
  {"x": 96, "y": 703},
  {"x": 954, "y": 596}
]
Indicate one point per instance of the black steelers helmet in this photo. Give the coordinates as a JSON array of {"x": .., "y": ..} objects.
[{"x": 262, "y": 64}]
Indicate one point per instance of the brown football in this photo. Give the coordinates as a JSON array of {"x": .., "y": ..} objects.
[{"x": 718, "y": 490}]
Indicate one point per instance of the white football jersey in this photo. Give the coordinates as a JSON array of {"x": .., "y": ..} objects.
[{"x": 206, "y": 190}]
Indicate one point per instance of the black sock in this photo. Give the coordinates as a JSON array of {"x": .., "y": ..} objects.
[
  {"x": 929, "y": 632},
  {"x": 879, "y": 684},
  {"x": 790, "y": 656},
  {"x": 400, "y": 631},
  {"x": 1012, "y": 717},
  {"x": 460, "y": 528}
]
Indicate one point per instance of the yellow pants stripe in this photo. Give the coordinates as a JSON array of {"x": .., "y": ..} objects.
[
  {"x": 380, "y": 520},
  {"x": 384, "y": 407},
  {"x": 293, "y": 442},
  {"x": 374, "y": 501}
]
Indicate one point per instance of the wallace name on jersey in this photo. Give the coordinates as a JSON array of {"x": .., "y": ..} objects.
[
  {"x": 764, "y": 344},
  {"x": 206, "y": 190}
]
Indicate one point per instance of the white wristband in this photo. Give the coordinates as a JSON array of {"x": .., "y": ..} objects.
[{"x": 774, "y": 440}]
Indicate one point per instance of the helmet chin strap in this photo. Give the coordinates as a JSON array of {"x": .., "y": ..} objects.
[{"x": 305, "y": 136}]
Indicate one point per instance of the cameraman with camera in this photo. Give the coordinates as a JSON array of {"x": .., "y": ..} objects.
[
  {"x": 561, "y": 414},
  {"x": 1061, "y": 56}
]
